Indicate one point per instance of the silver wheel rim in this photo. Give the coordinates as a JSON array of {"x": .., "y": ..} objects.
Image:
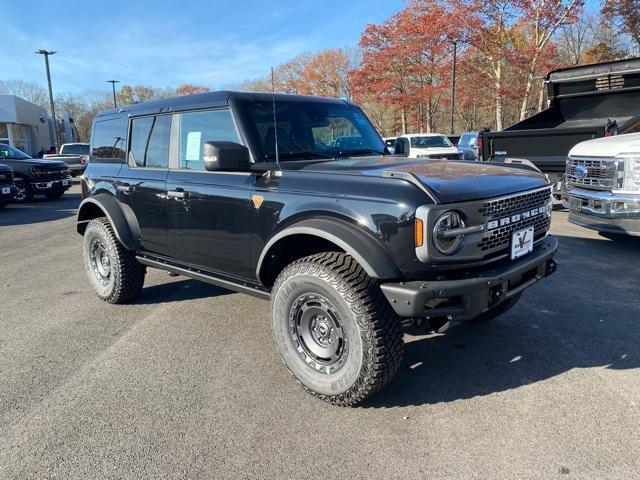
[{"x": 100, "y": 262}]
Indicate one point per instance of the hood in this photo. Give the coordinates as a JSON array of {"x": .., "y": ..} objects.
[
  {"x": 450, "y": 181},
  {"x": 33, "y": 162},
  {"x": 433, "y": 151},
  {"x": 608, "y": 146}
]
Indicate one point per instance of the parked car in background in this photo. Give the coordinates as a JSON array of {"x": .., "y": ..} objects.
[
  {"x": 468, "y": 145},
  {"x": 585, "y": 102},
  {"x": 454, "y": 139},
  {"x": 7, "y": 185},
  {"x": 75, "y": 155},
  {"x": 602, "y": 184},
  {"x": 426, "y": 145},
  {"x": 344, "y": 242},
  {"x": 35, "y": 176}
]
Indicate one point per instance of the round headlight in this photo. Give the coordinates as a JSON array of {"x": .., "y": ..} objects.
[{"x": 444, "y": 237}]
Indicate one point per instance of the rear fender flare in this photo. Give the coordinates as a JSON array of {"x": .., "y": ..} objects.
[{"x": 111, "y": 209}]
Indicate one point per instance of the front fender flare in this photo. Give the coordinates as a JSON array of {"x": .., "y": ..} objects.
[
  {"x": 362, "y": 247},
  {"x": 108, "y": 204}
]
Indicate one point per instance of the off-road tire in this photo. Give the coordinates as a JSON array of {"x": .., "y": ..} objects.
[
  {"x": 54, "y": 195},
  {"x": 501, "y": 309},
  {"x": 25, "y": 192},
  {"x": 372, "y": 330},
  {"x": 126, "y": 277}
]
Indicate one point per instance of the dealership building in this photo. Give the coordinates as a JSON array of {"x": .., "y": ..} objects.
[{"x": 25, "y": 125}]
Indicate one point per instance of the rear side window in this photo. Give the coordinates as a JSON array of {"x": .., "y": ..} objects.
[
  {"x": 108, "y": 140},
  {"x": 197, "y": 128},
  {"x": 150, "y": 138}
]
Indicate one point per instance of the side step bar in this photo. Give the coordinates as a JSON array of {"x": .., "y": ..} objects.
[{"x": 204, "y": 277}]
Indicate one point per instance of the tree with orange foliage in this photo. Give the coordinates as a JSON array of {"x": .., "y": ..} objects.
[
  {"x": 538, "y": 21},
  {"x": 189, "y": 89},
  {"x": 407, "y": 59},
  {"x": 626, "y": 14}
]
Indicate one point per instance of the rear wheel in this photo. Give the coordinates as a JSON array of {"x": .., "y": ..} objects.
[
  {"x": 24, "y": 193},
  {"x": 114, "y": 272},
  {"x": 334, "y": 329}
]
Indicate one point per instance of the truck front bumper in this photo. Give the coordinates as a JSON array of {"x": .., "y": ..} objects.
[
  {"x": 467, "y": 298},
  {"x": 603, "y": 211}
]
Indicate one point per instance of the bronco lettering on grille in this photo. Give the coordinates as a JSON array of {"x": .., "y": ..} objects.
[{"x": 501, "y": 222}]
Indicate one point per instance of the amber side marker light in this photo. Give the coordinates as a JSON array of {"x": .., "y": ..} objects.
[{"x": 419, "y": 233}]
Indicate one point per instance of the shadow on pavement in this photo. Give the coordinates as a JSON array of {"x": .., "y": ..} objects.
[
  {"x": 40, "y": 209},
  {"x": 567, "y": 322},
  {"x": 179, "y": 291}
]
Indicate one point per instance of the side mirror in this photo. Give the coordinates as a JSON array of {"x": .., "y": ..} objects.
[
  {"x": 225, "y": 156},
  {"x": 402, "y": 147}
]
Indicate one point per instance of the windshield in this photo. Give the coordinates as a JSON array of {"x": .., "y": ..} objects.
[
  {"x": 432, "y": 141},
  {"x": 314, "y": 130},
  {"x": 76, "y": 149},
  {"x": 468, "y": 140},
  {"x": 9, "y": 152}
]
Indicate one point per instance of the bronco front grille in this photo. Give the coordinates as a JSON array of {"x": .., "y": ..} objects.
[
  {"x": 595, "y": 173},
  {"x": 515, "y": 212}
]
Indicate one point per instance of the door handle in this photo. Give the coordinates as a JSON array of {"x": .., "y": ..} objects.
[{"x": 177, "y": 193}]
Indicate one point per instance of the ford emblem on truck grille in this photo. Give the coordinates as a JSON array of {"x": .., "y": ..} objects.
[{"x": 581, "y": 171}]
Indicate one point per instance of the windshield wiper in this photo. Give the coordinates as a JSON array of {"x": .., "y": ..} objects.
[
  {"x": 362, "y": 151},
  {"x": 305, "y": 154}
]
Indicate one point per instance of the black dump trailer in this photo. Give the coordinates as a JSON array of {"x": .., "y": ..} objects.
[{"x": 585, "y": 102}]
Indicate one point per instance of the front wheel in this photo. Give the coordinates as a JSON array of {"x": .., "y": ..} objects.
[
  {"x": 114, "y": 272},
  {"x": 335, "y": 331},
  {"x": 24, "y": 193}
]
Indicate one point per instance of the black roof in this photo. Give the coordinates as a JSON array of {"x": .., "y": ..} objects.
[{"x": 210, "y": 100}]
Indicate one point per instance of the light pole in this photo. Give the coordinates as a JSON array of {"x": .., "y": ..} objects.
[
  {"x": 113, "y": 85},
  {"x": 53, "y": 110},
  {"x": 453, "y": 85}
]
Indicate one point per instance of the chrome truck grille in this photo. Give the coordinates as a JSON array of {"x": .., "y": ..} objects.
[
  {"x": 505, "y": 215},
  {"x": 593, "y": 173}
]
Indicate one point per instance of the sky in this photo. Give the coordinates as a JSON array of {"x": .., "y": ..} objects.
[{"x": 169, "y": 42}]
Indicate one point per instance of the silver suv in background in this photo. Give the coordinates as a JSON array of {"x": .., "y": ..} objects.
[{"x": 468, "y": 145}]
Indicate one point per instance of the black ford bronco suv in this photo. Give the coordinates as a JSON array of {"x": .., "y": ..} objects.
[{"x": 258, "y": 194}]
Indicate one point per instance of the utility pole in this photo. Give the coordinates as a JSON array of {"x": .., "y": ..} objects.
[
  {"x": 453, "y": 85},
  {"x": 53, "y": 110},
  {"x": 113, "y": 85}
]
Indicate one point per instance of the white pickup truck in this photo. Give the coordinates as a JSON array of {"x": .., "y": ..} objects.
[
  {"x": 602, "y": 184},
  {"x": 75, "y": 155},
  {"x": 426, "y": 145}
]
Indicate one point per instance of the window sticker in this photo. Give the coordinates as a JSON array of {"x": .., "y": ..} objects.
[{"x": 193, "y": 146}]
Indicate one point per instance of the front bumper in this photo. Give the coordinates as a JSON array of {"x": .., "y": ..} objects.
[
  {"x": 467, "y": 298},
  {"x": 603, "y": 210},
  {"x": 52, "y": 185}
]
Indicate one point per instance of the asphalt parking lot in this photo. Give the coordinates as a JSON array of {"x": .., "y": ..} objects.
[{"x": 186, "y": 383}]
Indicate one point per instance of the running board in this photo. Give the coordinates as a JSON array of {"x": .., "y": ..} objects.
[{"x": 204, "y": 277}]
